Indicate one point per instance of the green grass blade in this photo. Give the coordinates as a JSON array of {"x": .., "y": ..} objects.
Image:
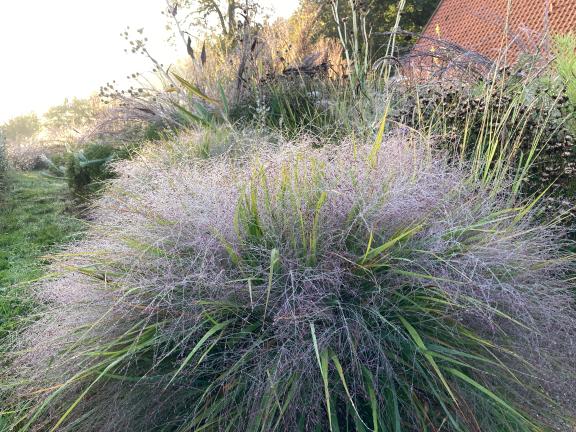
[
  {"x": 424, "y": 350},
  {"x": 192, "y": 89},
  {"x": 214, "y": 329}
]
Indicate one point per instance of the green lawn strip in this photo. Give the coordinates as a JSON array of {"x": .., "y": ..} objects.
[{"x": 34, "y": 221}]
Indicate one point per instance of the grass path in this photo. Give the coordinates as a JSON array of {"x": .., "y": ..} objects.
[{"x": 34, "y": 221}]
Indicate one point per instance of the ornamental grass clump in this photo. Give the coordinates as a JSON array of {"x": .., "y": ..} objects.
[{"x": 343, "y": 288}]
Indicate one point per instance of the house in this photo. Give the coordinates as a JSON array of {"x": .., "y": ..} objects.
[{"x": 486, "y": 27}]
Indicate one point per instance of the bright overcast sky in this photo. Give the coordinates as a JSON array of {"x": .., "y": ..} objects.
[{"x": 53, "y": 49}]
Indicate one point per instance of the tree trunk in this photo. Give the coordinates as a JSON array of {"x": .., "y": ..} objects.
[{"x": 232, "y": 6}]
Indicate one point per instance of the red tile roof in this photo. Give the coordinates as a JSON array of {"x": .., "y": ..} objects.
[{"x": 479, "y": 25}]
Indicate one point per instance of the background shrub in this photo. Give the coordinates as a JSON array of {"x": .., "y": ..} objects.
[
  {"x": 352, "y": 287},
  {"x": 86, "y": 169},
  {"x": 293, "y": 105},
  {"x": 512, "y": 116}
]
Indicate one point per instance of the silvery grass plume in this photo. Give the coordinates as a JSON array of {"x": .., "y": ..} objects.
[{"x": 344, "y": 288}]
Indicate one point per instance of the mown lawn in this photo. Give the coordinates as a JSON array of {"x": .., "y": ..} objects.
[{"x": 34, "y": 221}]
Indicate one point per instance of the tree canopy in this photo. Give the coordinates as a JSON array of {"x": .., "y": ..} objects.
[
  {"x": 380, "y": 18},
  {"x": 227, "y": 13},
  {"x": 21, "y": 128},
  {"x": 72, "y": 114}
]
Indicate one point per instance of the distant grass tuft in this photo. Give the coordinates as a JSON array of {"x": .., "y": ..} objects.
[{"x": 3, "y": 164}]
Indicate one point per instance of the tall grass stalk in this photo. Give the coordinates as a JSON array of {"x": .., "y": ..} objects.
[
  {"x": 391, "y": 47},
  {"x": 355, "y": 42}
]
